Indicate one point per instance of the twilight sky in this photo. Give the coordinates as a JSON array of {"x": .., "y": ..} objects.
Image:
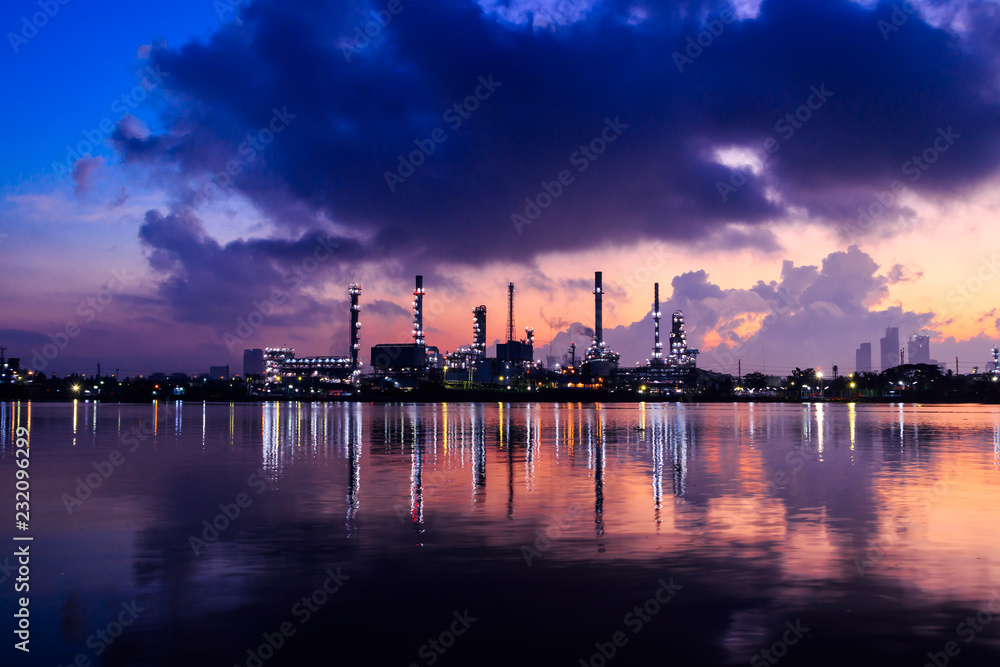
[{"x": 796, "y": 175}]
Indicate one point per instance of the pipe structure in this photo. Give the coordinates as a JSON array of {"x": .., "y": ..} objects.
[
  {"x": 598, "y": 310},
  {"x": 657, "y": 346},
  {"x": 418, "y": 312},
  {"x": 355, "y": 291},
  {"x": 479, "y": 331},
  {"x": 510, "y": 312}
]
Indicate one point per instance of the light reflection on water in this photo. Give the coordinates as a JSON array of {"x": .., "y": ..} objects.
[{"x": 878, "y": 522}]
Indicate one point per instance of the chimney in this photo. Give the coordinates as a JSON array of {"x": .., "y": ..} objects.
[
  {"x": 510, "y": 312},
  {"x": 598, "y": 312},
  {"x": 657, "y": 346},
  {"x": 355, "y": 290},
  {"x": 418, "y": 312},
  {"x": 479, "y": 331}
]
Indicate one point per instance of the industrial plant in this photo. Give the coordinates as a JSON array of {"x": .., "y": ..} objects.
[{"x": 416, "y": 366}]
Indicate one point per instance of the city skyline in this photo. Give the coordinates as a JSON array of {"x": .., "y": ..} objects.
[{"x": 186, "y": 185}]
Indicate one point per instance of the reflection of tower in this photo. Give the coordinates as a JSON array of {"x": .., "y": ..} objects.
[
  {"x": 354, "y": 448},
  {"x": 479, "y": 332},
  {"x": 599, "y": 488},
  {"x": 416, "y": 479},
  {"x": 355, "y": 291},
  {"x": 418, "y": 312},
  {"x": 478, "y": 456},
  {"x": 657, "y": 345},
  {"x": 657, "y": 474}
]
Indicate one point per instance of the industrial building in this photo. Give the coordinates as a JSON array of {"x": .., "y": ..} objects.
[
  {"x": 599, "y": 361},
  {"x": 671, "y": 373},
  {"x": 410, "y": 362}
]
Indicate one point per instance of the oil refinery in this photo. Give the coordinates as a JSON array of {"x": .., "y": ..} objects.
[{"x": 414, "y": 367}]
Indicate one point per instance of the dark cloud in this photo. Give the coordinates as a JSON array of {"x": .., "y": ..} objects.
[
  {"x": 206, "y": 282},
  {"x": 557, "y": 88}
]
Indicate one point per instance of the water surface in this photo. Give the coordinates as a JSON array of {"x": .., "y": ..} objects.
[{"x": 510, "y": 534}]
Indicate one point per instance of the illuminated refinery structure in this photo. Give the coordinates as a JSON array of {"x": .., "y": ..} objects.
[
  {"x": 996, "y": 360},
  {"x": 680, "y": 354},
  {"x": 599, "y": 360},
  {"x": 414, "y": 364},
  {"x": 657, "y": 359},
  {"x": 407, "y": 364},
  {"x": 355, "y": 291}
]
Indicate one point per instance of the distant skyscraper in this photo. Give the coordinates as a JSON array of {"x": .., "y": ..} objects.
[
  {"x": 889, "y": 349},
  {"x": 863, "y": 358},
  {"x": 919, "y": 349},
  {"x": 253, "y": 363}
]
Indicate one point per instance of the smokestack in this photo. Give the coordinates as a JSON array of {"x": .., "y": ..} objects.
[
  {"x": 418, "y": 312},
  {"x": 657, "y": 346},
  {"x": 598, "y": 312},
  {"x": 479, "y": 331},
  {"x": 510, "y": 312},
  {"x": 355, "y": 290}
]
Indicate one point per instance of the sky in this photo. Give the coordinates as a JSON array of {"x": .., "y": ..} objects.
[{"x": 183, "y": 181}]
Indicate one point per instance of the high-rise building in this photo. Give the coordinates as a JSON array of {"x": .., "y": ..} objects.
[
  {"x": 863, "y": 358},
  {"x": 253, "y": 363},
  {"x": 919, "y": 349},
  {"x": 889, "y": 349}
]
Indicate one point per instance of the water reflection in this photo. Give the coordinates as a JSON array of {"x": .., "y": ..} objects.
[{"x": 766, "y": 511}]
